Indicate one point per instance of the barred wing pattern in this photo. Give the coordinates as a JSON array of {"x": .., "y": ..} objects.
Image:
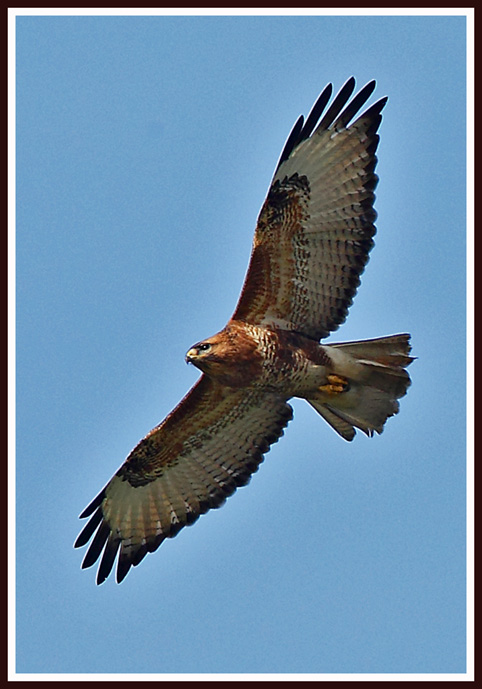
[
  {"x": 311, "y": 244},
  {"x": 208, "y": 446},
  {"x": 315, "y": 230}
]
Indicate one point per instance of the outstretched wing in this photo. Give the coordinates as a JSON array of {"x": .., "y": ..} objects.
[
  {"x": 208, "y": 446},
  {"x": 314, "y": 232}
]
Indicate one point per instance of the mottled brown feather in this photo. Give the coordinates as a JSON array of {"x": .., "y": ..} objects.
[
  {"x": 315, "y": 229},
  {"x": 311, "y": 244},
  {"x": 207, "y": 447}
]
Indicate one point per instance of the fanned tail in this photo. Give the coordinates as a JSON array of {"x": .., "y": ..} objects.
[{"x": 377, "y": 379}]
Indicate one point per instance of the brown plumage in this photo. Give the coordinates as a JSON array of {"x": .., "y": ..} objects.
[{"x": 311, "y": 244}]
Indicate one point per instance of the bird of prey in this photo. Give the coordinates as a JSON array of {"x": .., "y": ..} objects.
[{"x": 311, "y": 244}]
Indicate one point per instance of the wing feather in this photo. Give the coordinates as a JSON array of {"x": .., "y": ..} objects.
[
  {"x": 316, "y": 227},
  {"x": 207, "y": 447}
]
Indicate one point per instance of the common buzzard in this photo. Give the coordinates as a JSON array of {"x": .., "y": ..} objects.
[{"x": 311, "y": 244}]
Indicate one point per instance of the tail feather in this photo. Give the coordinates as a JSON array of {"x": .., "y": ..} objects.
[
  {"x": 344, "y": 428},
  {"x": 377, "y": 379}
]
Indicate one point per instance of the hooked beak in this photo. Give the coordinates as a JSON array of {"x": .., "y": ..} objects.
[{"x": 191, "y": 355}]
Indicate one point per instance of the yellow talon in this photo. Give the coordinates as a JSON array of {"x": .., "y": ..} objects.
[{"x": 335, "y": 385}]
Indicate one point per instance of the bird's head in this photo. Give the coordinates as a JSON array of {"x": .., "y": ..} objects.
[
  {"x": 199, "y": 352},
  {"x": 212, "y": 354},
  {"x": 229, "y": 356}
]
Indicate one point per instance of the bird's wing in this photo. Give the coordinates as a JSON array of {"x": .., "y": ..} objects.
[
  {"x": 208, "y": 446},
  {"x": 315, "y": 229}
]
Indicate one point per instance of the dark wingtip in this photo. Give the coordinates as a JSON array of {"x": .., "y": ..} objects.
[
  {"x": 108, "y": 557},
  {"x": 355, "y": 105},
  {"x": 292, "y": 141},
  {"x": 339, "y": 102},
  {"x": 316, "y": 112},
  {"x": 123, "y": 567},
  {"x": 91, "y": 507},
  {"x": 338, "y": 114},
  {"x": 97, "y": 545},
  {"x": 88, "y": 529}
]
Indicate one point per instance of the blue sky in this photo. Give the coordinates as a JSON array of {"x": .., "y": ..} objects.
[{"x": 145, "y": 147}]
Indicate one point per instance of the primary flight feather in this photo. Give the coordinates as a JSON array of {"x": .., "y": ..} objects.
[{"x": 311, "y": 244}]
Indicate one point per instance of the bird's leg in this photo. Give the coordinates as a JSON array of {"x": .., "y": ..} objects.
[{"x": 335, "y": 385}]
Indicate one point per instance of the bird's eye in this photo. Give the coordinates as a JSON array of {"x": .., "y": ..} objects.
[{"x": 203, "y": 347}]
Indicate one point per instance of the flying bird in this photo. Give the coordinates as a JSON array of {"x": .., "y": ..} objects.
[{"x": 311, "y": 244}]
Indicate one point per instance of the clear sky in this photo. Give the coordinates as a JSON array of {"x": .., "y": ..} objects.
[{"x": 145, "y": 147}]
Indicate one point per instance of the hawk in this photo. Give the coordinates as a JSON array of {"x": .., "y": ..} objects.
[{"x": 311, "y": 244}]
